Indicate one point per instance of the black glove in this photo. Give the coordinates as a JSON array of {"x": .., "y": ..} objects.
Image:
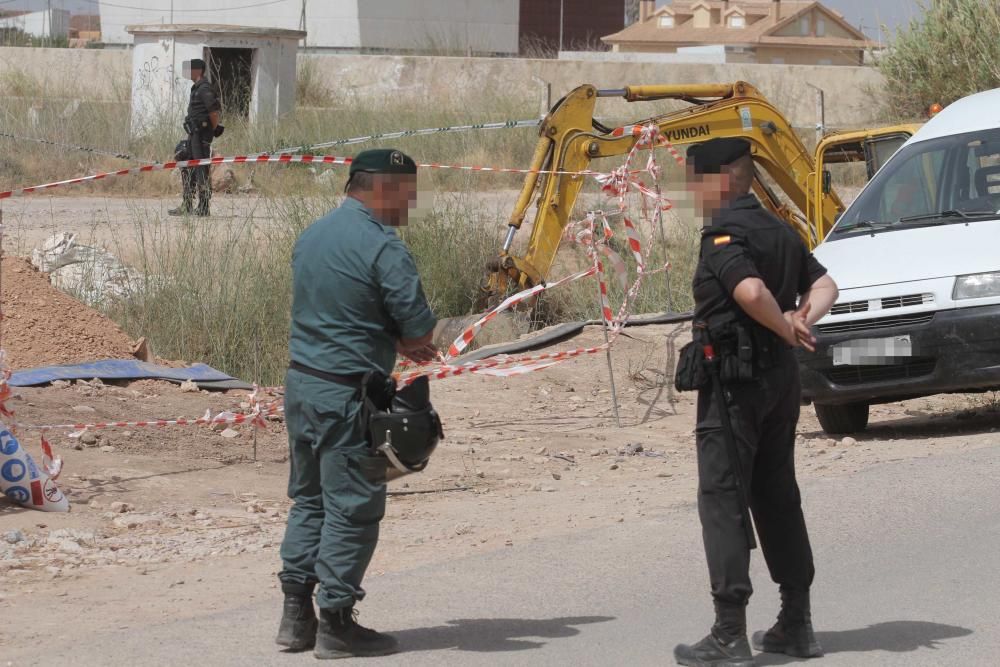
[{"x": 217, "y": 132}]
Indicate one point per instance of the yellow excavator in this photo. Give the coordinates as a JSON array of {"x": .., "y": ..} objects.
[{"x": 570, "y": 138}]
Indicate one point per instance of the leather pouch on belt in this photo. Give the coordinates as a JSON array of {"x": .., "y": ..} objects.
[{"x": 691, "y": 374}]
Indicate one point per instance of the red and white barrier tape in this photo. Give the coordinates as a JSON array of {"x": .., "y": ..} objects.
[
  {"x": 279, "y": 159},
  {"x": 616, "y": 183},
  {"x": 620, "y": 181},
  {"x": 472, "y": 330},
  {"x": 649, "y": 137},
  {"x": 661, "y": 140}
]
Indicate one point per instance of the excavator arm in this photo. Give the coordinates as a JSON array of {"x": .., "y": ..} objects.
[{"x": 570, "y": 139}]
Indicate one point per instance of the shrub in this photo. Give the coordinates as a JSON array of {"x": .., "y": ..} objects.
[{"x": 953, "y": 51}]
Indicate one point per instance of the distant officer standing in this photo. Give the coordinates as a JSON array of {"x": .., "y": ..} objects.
[
  {"x": 202, "y": 125},
  {"x": 357, "y": 301},
  {"x": 751, "y": 271}
]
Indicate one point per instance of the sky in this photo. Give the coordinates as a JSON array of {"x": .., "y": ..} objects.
[{"x": 866, "y": 14}]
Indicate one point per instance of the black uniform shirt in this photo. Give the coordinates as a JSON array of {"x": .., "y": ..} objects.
[
  {"x": 203, "y": 101},
  {"x": 747, "y": 241}
]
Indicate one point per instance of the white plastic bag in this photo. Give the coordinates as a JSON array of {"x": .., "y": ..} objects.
[{"x": 24, "y": 482}]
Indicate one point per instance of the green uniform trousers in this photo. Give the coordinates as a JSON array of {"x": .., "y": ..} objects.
[{"x": 338, "y": 491}]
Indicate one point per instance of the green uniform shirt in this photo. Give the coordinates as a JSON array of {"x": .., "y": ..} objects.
[{"x": 355, "y": 291}]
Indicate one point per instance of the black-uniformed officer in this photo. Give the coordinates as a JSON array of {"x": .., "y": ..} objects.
[
  {"x": 757, "y": 292},
  {"x": 202, "y": 125},
  {"x": 356, "y": 301}
]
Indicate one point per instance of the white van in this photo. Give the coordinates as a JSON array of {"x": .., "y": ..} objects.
[{"x": 917, "y": 260}]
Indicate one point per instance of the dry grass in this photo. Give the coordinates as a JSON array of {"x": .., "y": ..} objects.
[
  {"x": 218, "y": 290},
  {"x": 28, "y": 110}
]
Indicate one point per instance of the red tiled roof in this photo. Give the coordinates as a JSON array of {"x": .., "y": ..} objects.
[{"x": 760, "y": 24}]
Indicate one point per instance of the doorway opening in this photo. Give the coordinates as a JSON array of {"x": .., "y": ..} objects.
[{"x": 231, "y": 70}]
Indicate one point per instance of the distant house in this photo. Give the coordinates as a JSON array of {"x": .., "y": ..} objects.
[
  {"x": 84, "y": 29},
  {"x": 793, "y": 32}
]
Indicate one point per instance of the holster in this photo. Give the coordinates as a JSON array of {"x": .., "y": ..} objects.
[
  {"x": 745, "y": 349},
  {"x": 199, "y": 127},
  {"x": 377, "y": 392},
  {"x": 735, "y": 346}
]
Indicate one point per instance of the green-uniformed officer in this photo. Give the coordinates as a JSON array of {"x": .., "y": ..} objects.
[
  {"x": 757, "y": 292},
  {"x": 202, "y": 125},
  {"x": 357, "y": 301}
]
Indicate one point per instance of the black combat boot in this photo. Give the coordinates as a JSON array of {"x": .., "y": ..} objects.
[
  {"x": 340, "y": 636},
  {"x": 725, "y": 646},
  {"x": 203, "y": 210},
  {"x": 793, "y": 633},
  {"x": 184, "y": 209},
  {"x": 298, "y": 623}
]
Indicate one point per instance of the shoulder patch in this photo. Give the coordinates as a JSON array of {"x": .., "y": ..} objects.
[{"x": 721, "y": 240}]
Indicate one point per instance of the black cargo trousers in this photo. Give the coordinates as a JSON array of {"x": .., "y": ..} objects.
[
  {"x": 764, "y": 414},
  {"x": 196, "y": 179}
]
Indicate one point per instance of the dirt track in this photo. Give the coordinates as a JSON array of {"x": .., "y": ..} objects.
[{"x": 202, "y": 513}]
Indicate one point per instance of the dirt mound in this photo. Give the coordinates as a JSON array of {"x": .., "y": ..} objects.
[{"x": 43, "y": 326}]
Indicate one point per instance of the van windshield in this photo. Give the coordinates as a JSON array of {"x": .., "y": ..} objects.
[{"x": 934, "y": 182}]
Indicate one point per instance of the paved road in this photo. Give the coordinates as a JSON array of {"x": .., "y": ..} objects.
[{"x": 907, "y": 574}]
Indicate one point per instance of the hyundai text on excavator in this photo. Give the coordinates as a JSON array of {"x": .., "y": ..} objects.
[{"x": 570, "y": 138}]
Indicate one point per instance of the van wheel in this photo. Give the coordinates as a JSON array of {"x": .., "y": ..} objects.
[{"x": 836, "y": 419}]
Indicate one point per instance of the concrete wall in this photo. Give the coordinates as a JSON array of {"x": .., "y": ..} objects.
[
  {"x": 459, "y": 82},
  {"x": 716, "y": 56},
  {"x": 805, "y": 56},
  {"x": 90, "y": 74}
]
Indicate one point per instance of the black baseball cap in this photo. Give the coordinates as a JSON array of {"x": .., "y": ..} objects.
[
  {"x": 709, "y": 157},
  {"x": 383, "y": 161}
]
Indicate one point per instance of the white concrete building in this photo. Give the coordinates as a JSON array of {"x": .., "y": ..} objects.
[
  {"x": 46, "y": 23},
  {"x": 254, "y": 69},
  {"x": 477, "y": 26}
]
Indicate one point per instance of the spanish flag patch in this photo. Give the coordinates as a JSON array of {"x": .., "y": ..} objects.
[{"x": 721, "y": 240}]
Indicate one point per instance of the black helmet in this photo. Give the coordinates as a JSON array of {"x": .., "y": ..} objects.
[{"x": 408, "y": 432}]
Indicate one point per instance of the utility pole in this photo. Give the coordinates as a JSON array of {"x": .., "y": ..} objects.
[
  {"x": 820, "y": 112},
  {"x": 561, "y": 3},
  {"x": 302, "y": 24}
]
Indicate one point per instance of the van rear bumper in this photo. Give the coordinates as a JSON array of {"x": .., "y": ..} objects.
[{"x": 957, "y": 350}]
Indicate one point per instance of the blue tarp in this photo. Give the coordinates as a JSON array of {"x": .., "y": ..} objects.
[{"x": 127, "y": 369}]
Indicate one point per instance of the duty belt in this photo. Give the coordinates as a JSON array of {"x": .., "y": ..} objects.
[{"x": 353, "y": 380}]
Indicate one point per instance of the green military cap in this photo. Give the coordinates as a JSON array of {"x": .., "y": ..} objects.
[
  {"x": 709, "y": 157},
  {"x": 383, "y": 161}
]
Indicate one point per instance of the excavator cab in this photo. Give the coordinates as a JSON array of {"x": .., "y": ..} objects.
[{"x": 863, "y": 148}]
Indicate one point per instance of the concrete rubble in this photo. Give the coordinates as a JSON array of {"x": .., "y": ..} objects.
[{"x": 92, "y": 274}]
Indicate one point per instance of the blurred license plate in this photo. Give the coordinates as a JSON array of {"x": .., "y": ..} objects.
[{"x": 872, "y": 351}]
